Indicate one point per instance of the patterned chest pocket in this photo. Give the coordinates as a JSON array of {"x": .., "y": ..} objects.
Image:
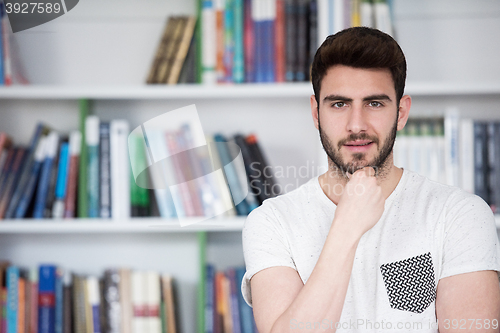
[{"x": 410, "y": 283}]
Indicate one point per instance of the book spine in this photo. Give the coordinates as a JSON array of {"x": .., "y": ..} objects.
[
  {"x": 7, "y": 61},
  {"x": 279, "y": 41},
  {"x": 62, "y": 178},
  {"x": 25, "y": 173},
  {"x": 209, "y": 42},
  {"x": 239, "y": 61},
  {"x": 451, "y": 124},
  {"x": 72, "y": 177},
  {"x": 126, "y": 312},
  {"x": 233, "y": 297},
  {"x": 209, "y": 298},
  {"x": 153, "y": 302},
  {"x": 120, "y": 178},
  {"x": 467, "y": 154},
  {"x": 291, "y": 40},
  {"x": 228, "y": 40},
  {"x": 167, "y": 283},
  {"x": 302, "y": 34},
  {"x": 138, "y": 284},
  {"x": 104, "y": 174},
  {"x": 22, "y": 207},
  {"x": 269, "y": 16},
  {"x": 7, "y": 167},
  {"x": 313, "y": 34},
  {"x": 480, "y": 153},
  {"x": 94, "y": 302},
  {"x": 186, "y": 36},
  {"x": 112, "y": 300},
  {"x": 248, "y": 41},
  {"x": 92, "y": 142},
  {"x": 246, "y": 314},
  {"x": 59, "y": 306},
  {"x": 46, "y": 299},
  {"x": 33, "y": 318},
  {"x": 45, "y": 176},
  {"x": 12, "y": 180},
  {"x": 2, "y": 51},
  {"x": 67, "y": 325},
  {"x": 12, "y": 285},
  {"x": 83, "y": 207}
]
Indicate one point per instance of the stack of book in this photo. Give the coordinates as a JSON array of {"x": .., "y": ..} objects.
[
  {"x": 88, "y": 174},
  {"x": 256, "y": 40},
  {"x": 455, "y": 151},
  {"x": 49, "y": 299},
  {"x": 11, "y": 69},
  {"x": 225, "y": 308}
]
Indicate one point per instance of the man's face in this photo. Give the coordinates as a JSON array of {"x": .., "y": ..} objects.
[{"x": 358, "y": 117}]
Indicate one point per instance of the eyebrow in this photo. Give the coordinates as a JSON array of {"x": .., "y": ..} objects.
[{"x": 341, "y": 98}]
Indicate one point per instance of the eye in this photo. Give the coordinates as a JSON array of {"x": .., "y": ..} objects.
[
  {"x": 375, "y": 104},
  {"x": 338, "y": 105}
]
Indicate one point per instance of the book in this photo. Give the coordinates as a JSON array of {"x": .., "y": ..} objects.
[
  {"x": 126, "y": 312},
  {"x": 228, "y": 162},
  {"x": 466, "y": 135},
  {"x": 9, "y": 160},
  {"x": 228, "y": 28},
  {"x": 209, "y": 42},
  {"x": 480, "y": 161},
  {"x": 46, "y": 298},
  {"x": 26, "y": 173},
  {"x": 111, "y": 299},
  {"x": 279, "y": 42},
  {"x": 170, "y": 302},
  {"x": 29, "y": 189},
  {"x": 238, "y": 74},
  {"x": 67, "y": 319},
  {"x": 120, "y": 178},
  {"x": 246, "y": 313},
  {"x": 291, "y": 43},
  {"x": 59, "y": 300},
  {"x": 12, "y": 285},
  {"x": 171, "y": 51},
  {"x": 47, "y": 168},
  {"x": 94, "y": 302},
  {"x": 161, "y": 50},
  {"x": 82, "y": 197},
  {"x": 248, "y": 41},
  {"x": 62, "y": 179},
  {"x": 79, "y": 312},
  {"x": 92, "y": 141},
  {"x": 104, "y": 171},
  {"x": 209, "y": 298},
  {"x": 302, "y": 50},
  {"x": 12, "y": 179},
  {"x": 153, "y": 299},
  {"x": 138, "y": 288},
  {"x": 186, "y": 35},
  {"x": 233, "y": 299},
  {"x": 72, "y": 176}
]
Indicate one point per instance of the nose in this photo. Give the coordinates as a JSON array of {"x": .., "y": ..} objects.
[{"x": 356, "y": 122}]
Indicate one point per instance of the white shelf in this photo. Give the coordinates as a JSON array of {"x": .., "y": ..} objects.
[
  {"x": 224, "y": 91},
  {"x": 136, "y": 225}
]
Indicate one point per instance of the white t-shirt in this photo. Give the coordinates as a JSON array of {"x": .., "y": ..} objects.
[{"x": 428, "y": 231}]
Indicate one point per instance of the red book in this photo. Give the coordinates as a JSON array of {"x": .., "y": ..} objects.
[
  {"x": 248, "y": 41},
  {"x": 219, "y": 33},
  {"x": 74, "y": 153},
  {"x": 279, "y": 42}
]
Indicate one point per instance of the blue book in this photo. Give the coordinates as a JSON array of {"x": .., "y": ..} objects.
[
  {"x": 12, "y": 284},
  {"x": 62, "y": 179},
  {"x": 26, "y": 173},
  {"x": 246, "y": 313},
  {"x": 232, "y": 178},
  {"x": 45, "y": 175},
  {"x": 29, "y": 191},
  {"x": 209, "y": 298},
  {"x": 268, "y": 34},
  {"x": 58, "y": 321},
  {"x": 46, "y": 298},
  {"x": 233, "y": 299}
]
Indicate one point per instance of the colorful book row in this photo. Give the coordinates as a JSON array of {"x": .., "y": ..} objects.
[
  {"x": 49, "y": 299},
  {"x": 225, "y": 308}
]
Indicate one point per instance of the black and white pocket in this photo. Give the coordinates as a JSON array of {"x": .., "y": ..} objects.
[{"x": 410, "y": 283}]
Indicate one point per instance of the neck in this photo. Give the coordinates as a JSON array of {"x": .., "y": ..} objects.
[{"x": 333, "y": 181}]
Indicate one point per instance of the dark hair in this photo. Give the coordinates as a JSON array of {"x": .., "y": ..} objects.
[{"x": 360, "y": 47}]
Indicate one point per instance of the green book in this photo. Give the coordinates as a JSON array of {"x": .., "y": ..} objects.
[{"x": 83, "y": 206}]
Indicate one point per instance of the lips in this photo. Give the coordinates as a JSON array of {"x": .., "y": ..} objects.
[{"x": 358, "y": 143}]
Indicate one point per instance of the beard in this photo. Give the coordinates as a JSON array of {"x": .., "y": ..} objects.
[{"x": 379, "y": 162}]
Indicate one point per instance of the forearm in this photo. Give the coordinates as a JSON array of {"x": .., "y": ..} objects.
[{"x": 322, "y": 297}]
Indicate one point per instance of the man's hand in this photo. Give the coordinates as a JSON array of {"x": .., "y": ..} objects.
[{"x": 361, "y": 204}]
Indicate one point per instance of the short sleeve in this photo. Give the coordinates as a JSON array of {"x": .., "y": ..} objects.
[
  {"x": 264, "y": 245},
  {"x": 471, "y": 241}
]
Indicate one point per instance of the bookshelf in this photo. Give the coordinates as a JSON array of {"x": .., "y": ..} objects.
[{"x": 69, "y": 59}]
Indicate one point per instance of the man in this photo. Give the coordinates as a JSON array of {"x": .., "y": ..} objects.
[{"x": 368, "y": 246}]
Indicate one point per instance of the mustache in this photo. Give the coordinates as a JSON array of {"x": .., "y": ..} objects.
[{"x": 360, "y": 136}]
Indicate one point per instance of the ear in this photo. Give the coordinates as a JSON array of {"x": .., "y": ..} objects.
[
  {"x": 404, "y": 111},
  {"x": 314, "y": 111}
]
